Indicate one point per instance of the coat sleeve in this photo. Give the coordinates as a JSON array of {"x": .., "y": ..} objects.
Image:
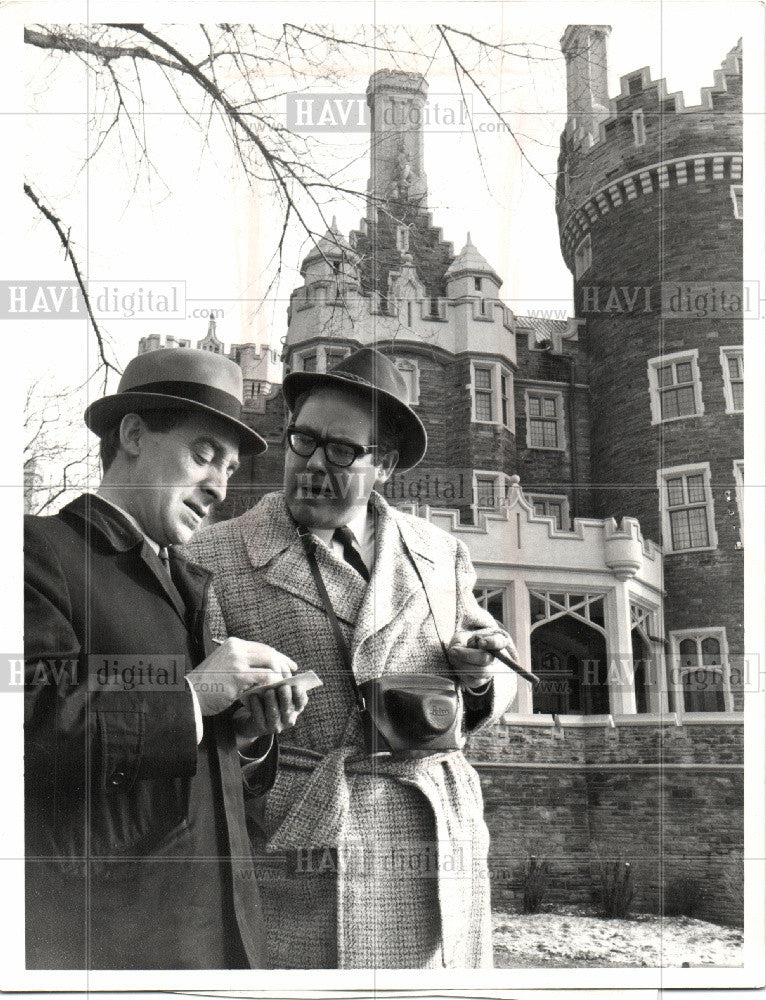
[
  {"x": 260, "y": 760},
  {"x": 120, "y": 736},
  {"x": 480, "y": 710}
]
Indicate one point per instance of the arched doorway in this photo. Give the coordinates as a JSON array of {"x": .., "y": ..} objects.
[{"x": 568, "y": 646}]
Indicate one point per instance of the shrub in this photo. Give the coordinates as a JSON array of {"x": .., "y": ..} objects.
[
  {"x": 616, "y": 888},
  {"x": 535, "y": 885}
]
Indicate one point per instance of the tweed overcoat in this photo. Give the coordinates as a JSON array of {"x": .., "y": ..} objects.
[
  {"x": 397, "y": 872},
  {"x": 137, "y": 852}
]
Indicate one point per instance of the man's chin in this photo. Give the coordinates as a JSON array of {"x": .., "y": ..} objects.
[{"x": 316, "y": 512}]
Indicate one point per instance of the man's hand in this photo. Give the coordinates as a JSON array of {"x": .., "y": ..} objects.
[
  {"x": 269, "y": 712},
  {"x": 471, "y": 654},
  {"x": 232, "y": 668}
]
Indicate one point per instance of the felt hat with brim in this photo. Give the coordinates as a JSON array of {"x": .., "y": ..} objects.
[
  {"x": 369, "y": 374},
  {"x": 178, "y": 378}
]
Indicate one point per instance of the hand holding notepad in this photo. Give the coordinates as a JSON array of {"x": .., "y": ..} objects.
[{"x": 304, "y": 681}]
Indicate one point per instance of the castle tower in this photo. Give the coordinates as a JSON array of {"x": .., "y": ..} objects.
[
  {"x": 649, "y": 210},
  {"x": 397, "y": 284},
  {"x": 584, "y": 48},
  {"x": 397, "y": 105}
]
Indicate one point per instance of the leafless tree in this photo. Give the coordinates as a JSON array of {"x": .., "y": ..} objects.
[
  {"x": 58, "y": 461},
  {"x": 226, "y": 80}
]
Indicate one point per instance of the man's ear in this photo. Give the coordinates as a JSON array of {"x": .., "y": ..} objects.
[
  {"x": 386, "y": 465},
  {"x": 132, "y": 430}
]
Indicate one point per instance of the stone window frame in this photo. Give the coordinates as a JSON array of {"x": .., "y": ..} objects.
[
  {"x": 639, "y": 127},
  {"x": 684, "y": 472},
  {"x": 547, "y": 499},
  {"x": 494, "y": 392},
  {"x": 583, "y": 256},
  {"x": 735, "y": 192},
  {"x": 402, "y": 239},
  {"x": 699, "y": 635},
  {"x": 561, "y": 444},
  {"x": 409, "y": 369},
  {"x": 483, "y": 591},
  {"x": 501, "y": 483},
  {"x": 738, "y": 470},
  {"x": 305, "y": 355},
  {"x": 733, "y": 350},
  {"x": 320, "y": 353},
  {"x": 653, "y": 366}
]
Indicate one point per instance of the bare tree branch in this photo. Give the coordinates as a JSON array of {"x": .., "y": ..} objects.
[{"x": 66, "y": 243}]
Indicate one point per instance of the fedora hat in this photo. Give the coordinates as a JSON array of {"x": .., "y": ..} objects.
[
  {"x": 371, "y": 374},
  {"x": 178, "y": 378}
]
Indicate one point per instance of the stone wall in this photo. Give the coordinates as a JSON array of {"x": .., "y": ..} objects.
[{"x": 666, "y": 798}]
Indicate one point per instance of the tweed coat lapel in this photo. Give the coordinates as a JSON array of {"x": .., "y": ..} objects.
[
  {"x": 274, "y": 548},
  {"x": 394, "y": 579}
]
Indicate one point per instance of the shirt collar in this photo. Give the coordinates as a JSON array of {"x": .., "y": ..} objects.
[{"x": 360, "y": 526}]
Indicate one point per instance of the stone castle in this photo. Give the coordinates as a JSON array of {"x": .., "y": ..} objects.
[{"x": 593, "y": 466}]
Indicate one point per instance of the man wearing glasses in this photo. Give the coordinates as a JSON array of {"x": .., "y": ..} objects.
[{"x": 376, "y": 861}]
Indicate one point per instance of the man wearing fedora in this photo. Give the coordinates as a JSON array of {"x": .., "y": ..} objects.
[
  {"x": 379, "y": 858},
  {"x": 137, "y": 854}
]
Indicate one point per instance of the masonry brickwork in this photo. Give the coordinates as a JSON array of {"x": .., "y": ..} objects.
[{"x": 665, "y": 798}]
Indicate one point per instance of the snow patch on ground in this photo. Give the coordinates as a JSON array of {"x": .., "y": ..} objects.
[{"x": 571, "y": 937}]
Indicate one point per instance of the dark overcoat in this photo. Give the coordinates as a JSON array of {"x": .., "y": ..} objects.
[{"x": 137, "y": 855}]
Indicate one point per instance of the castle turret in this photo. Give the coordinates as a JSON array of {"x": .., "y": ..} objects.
[
  {"x": 584, "y": 48},
  {"x": 470, "y": 274},
  {"x": 650, "y": 214},
  {"x": 397, "y": 173}
]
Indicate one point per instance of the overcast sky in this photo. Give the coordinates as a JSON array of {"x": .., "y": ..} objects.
[{"x": 200, "y": 223}]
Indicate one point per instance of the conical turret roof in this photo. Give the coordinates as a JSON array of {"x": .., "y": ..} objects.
[
  {"x": 470, "y": 261},
  {"x": 332, "y": 246}
]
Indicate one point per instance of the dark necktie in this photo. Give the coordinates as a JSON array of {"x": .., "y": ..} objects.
[
  {"x": 165, "y": 560},
  {"x": 350, "y": 552}
]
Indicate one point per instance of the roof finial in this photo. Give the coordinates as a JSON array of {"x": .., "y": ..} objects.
[
  {"x": 334, "y": 226},
  {"x": 468, "y": 240}
]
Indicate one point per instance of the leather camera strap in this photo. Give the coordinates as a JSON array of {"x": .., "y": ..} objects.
[{"x": 309, "y": 544}]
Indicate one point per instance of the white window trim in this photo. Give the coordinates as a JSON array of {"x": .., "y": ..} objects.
[
  {"x": 398, "y": 363},
  {"x": 671, "y": 472},
  {"x": 302, "y": 355},
  {"x": 639, "y": 127},
  {"x": 506, "y": 590},
  {"x": 560, "y": 422},
  {"x": 559, "y": 498},
  {"x": 723, "y": 355},
  {"x": 496, "y": 392},
  {"x": 321, "y": 355},
  {"x": 652, "y": 367},
  {"x": 581, "y": 246},
  {"x": 735, "y": 191},
  {"x": 676, "y": 687},
  {"x": 738, "y": 467},
  {"x": 501, "y": 479}
]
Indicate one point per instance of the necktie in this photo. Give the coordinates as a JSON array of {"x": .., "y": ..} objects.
[
  {"x": 350, "y": 552},
  {"x": 165, "y": 560}
]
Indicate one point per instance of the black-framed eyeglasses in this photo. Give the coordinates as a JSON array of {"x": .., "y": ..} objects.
[{"x": 340, "y": 453}]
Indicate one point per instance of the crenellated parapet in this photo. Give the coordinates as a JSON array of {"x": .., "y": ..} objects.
[{"x": 647, "y": 141}]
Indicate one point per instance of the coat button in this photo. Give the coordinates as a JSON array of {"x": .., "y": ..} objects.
[{"x": 118, "y": 778}]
